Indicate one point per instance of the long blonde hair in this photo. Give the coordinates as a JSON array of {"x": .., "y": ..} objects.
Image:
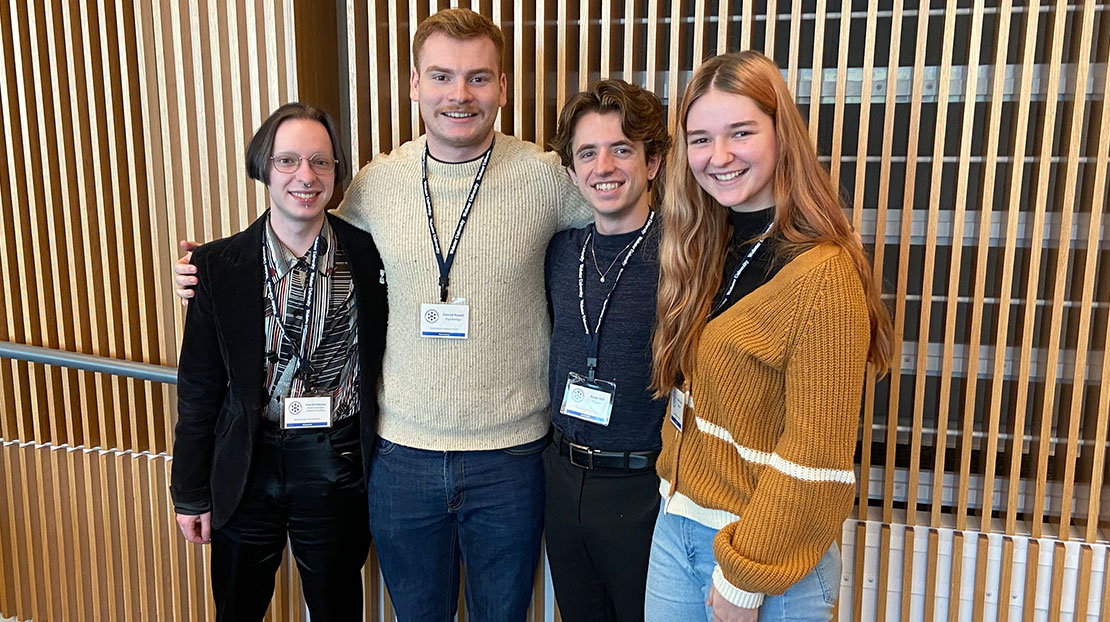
[{"x": 696, "y": 230}]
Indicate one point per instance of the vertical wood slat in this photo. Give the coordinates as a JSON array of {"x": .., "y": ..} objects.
[
  {"x": 747, "y": 29},
  {"x": 629, "y": 55},
  {"x": 792, "y": 71},
  {"x": 1008, "y": 261},
  {"x": 979, "y": 592},
  {"x": 1031, "y": 556},
  {"x": 518, "y": 73},
  {"x": 61, "y": 260},
  {"x": 1005, "y": 578},
  {"x": 673, "y": 62},
  {"x": 900, "y": 312},
  {"x": 843, "y": 42},
  {"x": 700, "y": 26},
  {"x": 20, "y": 142},
  {"x": 1033, "y": 280},
  {"x": 723, "y": 17},
  {"x": 540, "y": 81},
  {"x": 958, "y": 546},
  {"x": 936, "y": 175},
  {"x": 1078, "y": 108},
  {"x": 135, "y": 324},
  {"x": 9, "y": 370},
  {"x": 954, "y": 273},
  {"x": 1055, "y": 598},
  {"x": 817, "y": 68},
  {"x": 867, "y": 428},
  {"x": 37, "y": 150},
  {"x": 583, "y": 44},
  {"x": 980, "y": 275},
  {"x": 1083, "y": 589},
  {"x": 1098, "y": 207}
]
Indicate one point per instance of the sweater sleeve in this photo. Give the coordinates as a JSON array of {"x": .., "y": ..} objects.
[
  {"x": 807, "y": 485},
  {"x": 574, "y": 211},
  {"x": 355, "y": 205}
]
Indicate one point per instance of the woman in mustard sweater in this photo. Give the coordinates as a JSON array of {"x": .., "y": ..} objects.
[{"x": 767, "y": 318}]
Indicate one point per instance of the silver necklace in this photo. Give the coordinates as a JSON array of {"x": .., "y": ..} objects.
[{"x": 597, "y": 267}]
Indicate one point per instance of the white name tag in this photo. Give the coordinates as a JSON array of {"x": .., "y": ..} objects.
[
  {"x": 588, "y": 400},
  {"x": 306, "y": 412},
  {"x": 445, "y": 321},
  {"x": 678, "y": 407}
]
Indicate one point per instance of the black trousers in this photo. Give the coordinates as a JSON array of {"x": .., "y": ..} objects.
[
  {"x": 305, "y": 486},
  {"x": 598, "y": 526}
]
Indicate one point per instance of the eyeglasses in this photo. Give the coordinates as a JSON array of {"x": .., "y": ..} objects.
[{"x": 290, "y": 162}]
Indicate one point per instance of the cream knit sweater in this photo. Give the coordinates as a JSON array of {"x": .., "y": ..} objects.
[{"x": 489, "y": 391}]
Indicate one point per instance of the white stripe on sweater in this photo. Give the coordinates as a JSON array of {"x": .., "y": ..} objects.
[{"x": 777, "y": 462}]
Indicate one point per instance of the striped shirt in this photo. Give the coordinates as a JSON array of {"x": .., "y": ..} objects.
[{"x": 331, "y": 344}]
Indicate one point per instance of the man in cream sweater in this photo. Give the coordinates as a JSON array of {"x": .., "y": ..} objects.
[{"x": 462, "y": 217}]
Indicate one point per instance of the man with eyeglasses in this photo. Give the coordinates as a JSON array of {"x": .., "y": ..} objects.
[
  {"x": 279, "y": 362},
  {"x": 462, "y": 215}
]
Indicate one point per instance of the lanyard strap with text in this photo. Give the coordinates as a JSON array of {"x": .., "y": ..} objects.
[
  {"x": 739, "y": 270},
  {"x": 445, "y": 262},
  {"x": 300, "y": 349},
  {"x": 593, "y": 339}
]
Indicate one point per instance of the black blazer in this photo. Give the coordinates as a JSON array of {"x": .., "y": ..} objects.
[{"x": 221, "y": 370}]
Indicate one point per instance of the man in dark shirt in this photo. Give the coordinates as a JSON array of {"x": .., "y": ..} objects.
[
  {"x": 279, "y": 361},
  {"x": 602, "y": 491}
]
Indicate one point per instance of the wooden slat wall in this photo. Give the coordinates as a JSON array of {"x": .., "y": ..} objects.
[
  {"x": 124, "y": 127},
  {"x": 124, "y": 130},
  {"x": 969, "y": 139}
]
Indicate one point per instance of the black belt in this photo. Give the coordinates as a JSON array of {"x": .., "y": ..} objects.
[{"x": 589, "y": 458}]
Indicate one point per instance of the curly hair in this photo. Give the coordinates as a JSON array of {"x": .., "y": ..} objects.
[{"x": 641, "y": 115}]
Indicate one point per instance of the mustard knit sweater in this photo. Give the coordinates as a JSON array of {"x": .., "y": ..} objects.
[{"x": 766, "y": 452}]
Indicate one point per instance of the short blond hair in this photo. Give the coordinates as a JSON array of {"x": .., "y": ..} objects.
[{"x": 461, "y": 24}]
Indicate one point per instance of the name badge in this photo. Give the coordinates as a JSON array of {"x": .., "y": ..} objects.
[
  {"x": 588, "y": 400},
  {"x": 678, "y": 407},
  {"x": 445, "y": 321},
  {"x": 306, "y": 412}
]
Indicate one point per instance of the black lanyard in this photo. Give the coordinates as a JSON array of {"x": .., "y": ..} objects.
[
  {"x": 593, "y": 339},
  {"x": 739, "y": 270},
  {"x": 445, "y": 262},
  {"x": 300, "y": 349}
]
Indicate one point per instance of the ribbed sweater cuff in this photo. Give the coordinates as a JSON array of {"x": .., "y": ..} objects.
[{"x": 733, "y": 594}]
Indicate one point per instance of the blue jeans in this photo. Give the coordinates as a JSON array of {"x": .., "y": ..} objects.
[
  {"x": 431, "y": 509},
  {"x": 680, "y": 573}
]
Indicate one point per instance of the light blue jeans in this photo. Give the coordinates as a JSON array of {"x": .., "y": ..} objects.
[{"x": 680, "y": 573}]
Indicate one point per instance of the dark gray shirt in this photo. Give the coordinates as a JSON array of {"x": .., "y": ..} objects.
[{"x": 624, "y": 355}]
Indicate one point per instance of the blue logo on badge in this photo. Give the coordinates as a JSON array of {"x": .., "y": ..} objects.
[{"x": 577, "y": 395}]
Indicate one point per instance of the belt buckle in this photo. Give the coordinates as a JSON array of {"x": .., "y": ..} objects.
[{"x": 582, "y": 449}]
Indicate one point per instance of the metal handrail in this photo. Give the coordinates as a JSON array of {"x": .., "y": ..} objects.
[{"x": 88, "y": 362}]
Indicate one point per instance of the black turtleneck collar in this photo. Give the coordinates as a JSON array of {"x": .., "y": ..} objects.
[{"x": 749, "y": 225}]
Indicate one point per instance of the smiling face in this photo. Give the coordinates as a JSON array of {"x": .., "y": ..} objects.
[
  {"x": 460, "y": 87},
  {"x": 730, "y": 146},
  {"x": 300, "y": 196},
  {"x": 612, "y": 172}
]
